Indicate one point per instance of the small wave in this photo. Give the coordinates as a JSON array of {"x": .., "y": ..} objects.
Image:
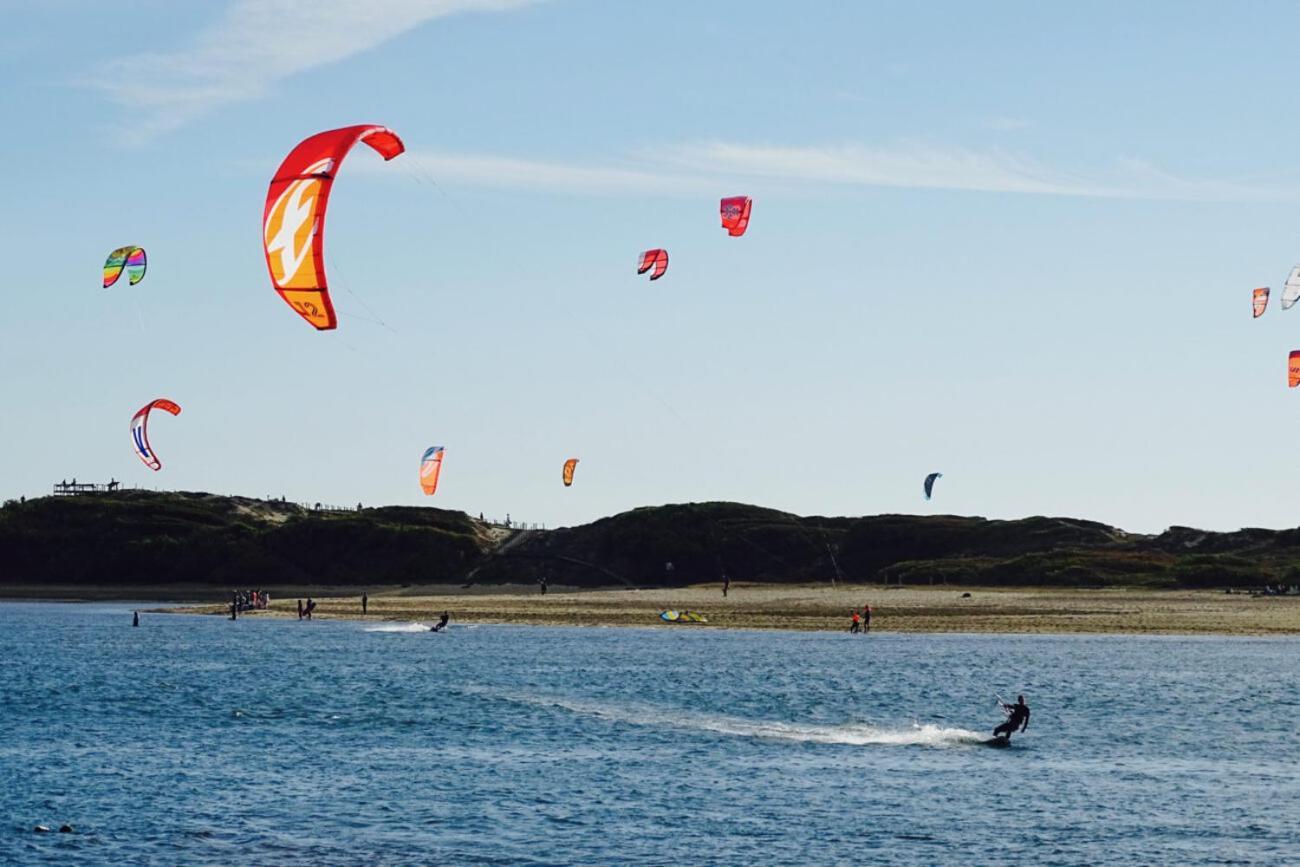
[
  {"x": 853, "y": 734},
  {"x": 399, "y": 627}
]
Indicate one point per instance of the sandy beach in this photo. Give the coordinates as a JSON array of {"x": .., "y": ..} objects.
[{"x": 822, "y": 608}]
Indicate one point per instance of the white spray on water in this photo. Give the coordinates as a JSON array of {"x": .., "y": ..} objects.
[{"x": 854, "y": 734}]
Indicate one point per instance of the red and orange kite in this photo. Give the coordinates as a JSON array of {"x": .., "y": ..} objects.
[
  {"x": 1259, "y": 301},
  {"x": 140, "y": 430},
  {"x": 293, "y": 224},
  {"x": 569, "y": 466},
  {"x": 656, "y": 259},
  {"x": 430, "y": 468},
  {"x": 735, "y": 215}
]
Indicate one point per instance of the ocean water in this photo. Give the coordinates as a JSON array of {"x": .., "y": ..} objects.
[{"x": 199, "y": 741}]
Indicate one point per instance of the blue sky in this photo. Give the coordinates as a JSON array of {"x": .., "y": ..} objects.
[{"x": 1014, "y": 243}]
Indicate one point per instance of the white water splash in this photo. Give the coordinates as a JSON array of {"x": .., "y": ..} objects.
[
  {"x": 854, "y": 734},
  {"x": 399, "y": 627}
]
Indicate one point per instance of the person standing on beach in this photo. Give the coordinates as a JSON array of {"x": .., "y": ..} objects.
[
  {"x": 853, "y": 629},
  {"x": 135, "y": 619},
  {"x": 365, "y": 602},
  {"x": 726, "y": 585},
  {"x": 311, "y": 604},
  {"x": 866, "y": 619},
  {"x": 542, "y": 581},
  {"x": 300, "y": 609}
]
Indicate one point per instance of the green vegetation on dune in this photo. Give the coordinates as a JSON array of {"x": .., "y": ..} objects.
[
  {"x": 132, "y": 538},
  {"x": 141, "y": 537}
]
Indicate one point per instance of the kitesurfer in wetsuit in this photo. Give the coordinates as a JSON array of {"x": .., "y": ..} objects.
[
  {"x": 1017, "y": 717},
  {"x": 442, "y": 622}
]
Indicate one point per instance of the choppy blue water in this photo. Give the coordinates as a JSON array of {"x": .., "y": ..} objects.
[{"x": 196, "y": 740}]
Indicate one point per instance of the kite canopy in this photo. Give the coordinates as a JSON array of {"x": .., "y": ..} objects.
[
  {"x": 657, "y": 259},
  {"x": 569, "y": 466},
  {"x": 293, "y": 223},
  {"x": 929, "y": 483},
  {"x": 1291, "y": 290},
  {"x": 1259, "y": 301},
  {"x": 140, "y": 431},
  {"x": 1293, "y": 369},
  {"x": 430, "y": 467},
  {"x": 735, "y": 215},
  {"x": 674, "y": 616},
  {"x": 131, "y": 258}
]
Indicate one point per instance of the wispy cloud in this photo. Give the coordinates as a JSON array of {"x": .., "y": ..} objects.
[
  {"x": 915, "y": 166},
  {"x": 689, "y": 169},
  {"x": 611, "y": 178},
  {"x": 256, "y": 43}
]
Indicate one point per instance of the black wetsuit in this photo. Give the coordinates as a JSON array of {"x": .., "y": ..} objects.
[{"x": 1018, "y": 719}]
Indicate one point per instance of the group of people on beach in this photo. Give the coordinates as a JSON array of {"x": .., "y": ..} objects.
[
  {"x": 304, "y": 611},
  {"x": 860, "y": 621},
  {"x": 250, "y": 600},
  {"x": 1279, "y": 590}
]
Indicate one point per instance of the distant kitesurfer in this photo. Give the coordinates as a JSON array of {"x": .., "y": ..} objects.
[
  {"x": 135, "y": 618},
  {"x": 1017, "y": 717},
  {"x": 234, "y": 610},
  {"x": 442, "y": 623},
  {"x": 365, "y": 602}
]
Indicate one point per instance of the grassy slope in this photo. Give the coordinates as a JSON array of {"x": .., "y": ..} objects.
[
  {"x": 135, "y": 538},
  {"x": 145, "y": 538}
]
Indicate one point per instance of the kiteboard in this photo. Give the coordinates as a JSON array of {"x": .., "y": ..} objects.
[{"x": 999, "y": 741}]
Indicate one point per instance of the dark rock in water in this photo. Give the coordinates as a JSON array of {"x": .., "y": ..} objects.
[
  {"x": 65, "y": 829},
  {"x": 42, "y": 829}
]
